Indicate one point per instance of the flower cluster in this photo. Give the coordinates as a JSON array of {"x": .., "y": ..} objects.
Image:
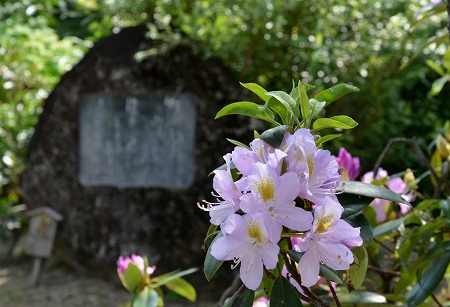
[{"x": 289, "y": 191}]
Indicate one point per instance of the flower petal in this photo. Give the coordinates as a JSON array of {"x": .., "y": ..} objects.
[
  {"x": 294, "y": 218},
  {"x": 251, "y": 270},
  {"x": 309, "y": 266},
  {"x": 336, "y": 256}
]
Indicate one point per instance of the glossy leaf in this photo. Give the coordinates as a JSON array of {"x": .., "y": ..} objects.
[
  {"x": 296, "y": 256},
  {"x": 357, "y": 271},
  {"x": 387, "y": 227},
  {"x": 362, "y": 297},
  {"x": 330, "y": 274},
  {"x": 183, "y": 288},
  {"x": 340, "y": 121},
  {"x": 287, "y": 101},
  {"x": 275, "y": 106},
  {"x": 257, "y": 89},
  {"x": 371, "y": 190},
  {"x": 334, "y": 93},
  {"x": 284, "y": 294},
  {"x": 246, "y": 108},
  {"x": 359, "y": 220},
  {"x": 211, "y": 264},
  {"x": 274, "y": 136},
  {"x": 353, "y": 203},
  {"x": 429, "y": 280},
  {"x": 326, "y": 138},
  {"x": 316, "y": 107},
  {"x": 242, "y": 298}
]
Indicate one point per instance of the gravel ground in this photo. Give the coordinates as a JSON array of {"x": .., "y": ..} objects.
[
  {"x": 57, "y": 287},
  {"x": 61, "y": 287}
]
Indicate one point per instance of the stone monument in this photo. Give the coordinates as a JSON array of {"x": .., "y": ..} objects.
[{"x": 123, "y": 150}]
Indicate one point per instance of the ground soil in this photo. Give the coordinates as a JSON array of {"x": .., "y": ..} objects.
[
  {"x": 58, "y": 286},
  {"x": 62, "y": 287}
]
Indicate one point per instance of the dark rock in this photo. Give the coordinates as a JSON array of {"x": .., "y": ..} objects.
[{"x": 101, "y": 223}]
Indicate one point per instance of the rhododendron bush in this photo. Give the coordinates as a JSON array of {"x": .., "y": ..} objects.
[{"x": 282, "y": 213}]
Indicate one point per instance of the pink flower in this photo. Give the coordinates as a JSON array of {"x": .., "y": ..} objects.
[
  {"x": 123, "y": 262},
  {"x": 349, "y": 164},
  {"x": 226, "y": 189},
  {"x": 317, "y": 169},
  {"x": 244, "y": 158},
  {"x": 274, "y": 195},
  {"x": 247, "y": 241},
  {"x": 396, "y": 185},
  {"x": 328, "y": 242}
]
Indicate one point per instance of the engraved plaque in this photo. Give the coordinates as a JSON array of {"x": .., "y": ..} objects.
[{"x": 137, "y": 140}]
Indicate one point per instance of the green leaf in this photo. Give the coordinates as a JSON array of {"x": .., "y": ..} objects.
[
  {"x": 406, "y": 244},
  {"x": 246, "y": 108},
  {"x": 330, "y": 274},
  {"x": 287, "y": 101},
  {"x": 242, "y": 298},
  {"x": 257, "y": 89},
  {"x": 146, "y": 298},
  {"x": 359, "y": 220},
  {"x": 357, "y": 271},
  {"x": 304, "y": 102},
  {"x": 283, "y": 112},
  {"x": 211, "y": 264},
  {"x": 353, "y": 203},
  {"x": 284, "y": 294},
  {"x": 371, "y": 190},
  {"x": 296, "y": 256},
  {"x": 340, "y": 121},
  {"x": 316, "y": 107},
  {"x": 430, "y": 279},
  {"x": 133, "y": 278},
  {"x": 183, "y": 288},
  {"x": 446, "y": 60},
  {"x": 362, "y": 297},
  {"x": 438, "y": 69},
  {"x": 438, "y": 84},
  {"x": 326, "y": 138},
  {"x": 256, "y": 134},
  {"x": 274, "y": 136},
  {"x": 237, "y": 143},
  {"x": 334, "y": 93},
  {"x": 165, "y": 278},
  {"x": 404, "y": 281},
  {"x": 387, "y": 227}
]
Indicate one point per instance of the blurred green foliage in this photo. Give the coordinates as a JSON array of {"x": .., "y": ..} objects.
[{"x": 379, "y": 46}]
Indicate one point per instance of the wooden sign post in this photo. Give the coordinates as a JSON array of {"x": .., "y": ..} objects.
[{"x": 40, "y": 238}]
